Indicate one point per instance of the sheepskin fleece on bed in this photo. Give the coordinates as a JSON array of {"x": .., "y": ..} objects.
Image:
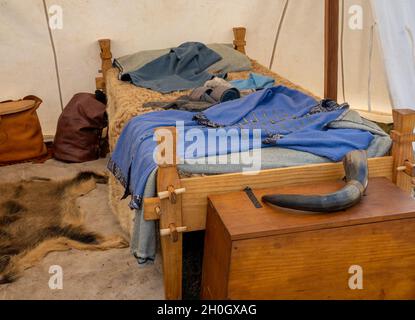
[{"x": 125, "y": 101}]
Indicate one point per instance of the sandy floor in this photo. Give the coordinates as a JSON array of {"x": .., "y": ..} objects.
[{"x": 111, "y": 274}]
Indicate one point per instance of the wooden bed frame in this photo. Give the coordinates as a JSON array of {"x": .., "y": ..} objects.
[{"x": 181, "y": 205}]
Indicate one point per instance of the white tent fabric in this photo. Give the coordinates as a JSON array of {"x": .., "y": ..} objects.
[
  {"x": 396, "y": 25},
  {"x": 27, "y": 62}
]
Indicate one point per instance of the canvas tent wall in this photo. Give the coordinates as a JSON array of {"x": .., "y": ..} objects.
[
  {"x": 396, "y": 24},
  {"x": 27, "y": 62}
]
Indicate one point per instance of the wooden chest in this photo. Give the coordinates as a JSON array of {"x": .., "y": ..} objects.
[{"x": 366, "y": 252}]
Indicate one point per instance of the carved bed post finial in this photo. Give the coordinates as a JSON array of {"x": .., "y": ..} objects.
[
  {"x": 106, "y": 55},
  {"x": 402, "y": 150},
  {"x": 239, "y": 36},
  {"x": 106, "y": 62}
]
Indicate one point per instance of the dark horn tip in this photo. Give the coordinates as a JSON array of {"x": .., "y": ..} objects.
[{"x": 272, "y": 200}]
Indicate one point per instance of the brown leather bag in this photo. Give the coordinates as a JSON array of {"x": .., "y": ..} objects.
[
  {"x": 21, "y": 135},
  {"x": 78, "y": 136}
]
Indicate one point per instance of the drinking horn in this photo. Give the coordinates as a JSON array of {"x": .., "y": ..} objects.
[{"x": 356, "y": 169}]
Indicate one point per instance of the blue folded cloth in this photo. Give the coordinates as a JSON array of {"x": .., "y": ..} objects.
[
  {"x": 181, "y": 69},
  {"x": 254, "y": 82},
  {"x": 286, "y": 117}
]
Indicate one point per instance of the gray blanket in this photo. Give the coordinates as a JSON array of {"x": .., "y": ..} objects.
[
  {"x": 182, "y": 68},
  {"x": 232, "y": 60},
  {"x": 143, "y": 244}
]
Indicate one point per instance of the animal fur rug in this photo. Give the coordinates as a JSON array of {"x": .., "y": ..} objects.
[{"x": 40, "y": 216}]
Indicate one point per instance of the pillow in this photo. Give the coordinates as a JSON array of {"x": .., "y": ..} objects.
[
  {"x": 232, "y": 60},
  {"x": 137, "y": 60}
]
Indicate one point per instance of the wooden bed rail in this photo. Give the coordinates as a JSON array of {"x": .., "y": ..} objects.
[
  {"x": 169, "y": 212},
  {"x": 194, "y": 200},
  {"x": 402, "y": 150}
]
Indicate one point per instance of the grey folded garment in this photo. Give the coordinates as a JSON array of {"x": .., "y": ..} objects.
[
  {"x": 232, "y": 60},
  {"x": 182, "y": 103},
  {"x": 183, "y": 68},
  {"x": 216, "y": 94},
  {"x": 200, "y": 99},
  {"x": 217, "y": 82}
]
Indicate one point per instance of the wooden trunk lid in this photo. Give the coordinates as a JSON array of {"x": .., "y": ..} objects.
[{"x": 384, "y": 201}]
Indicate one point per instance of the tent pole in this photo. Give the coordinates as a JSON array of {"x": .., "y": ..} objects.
[{"x": 331, "y": 48}]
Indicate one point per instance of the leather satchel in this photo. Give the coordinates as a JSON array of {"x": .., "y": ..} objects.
[
  {"x": 78, "y": 137},
  {"x": 21, "y": 135}
]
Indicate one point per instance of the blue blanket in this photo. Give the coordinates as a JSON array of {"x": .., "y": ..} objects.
[
  {"x": 287, "y": 118},
  {"x": 254, "y": 82},
  {"x": 182, "y": 68}
]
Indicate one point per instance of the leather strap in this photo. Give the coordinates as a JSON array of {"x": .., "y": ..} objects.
[
  {"x": 36, "y": 99},
  {"x": 15, "y": 107},
  {"x": 223, "y": 94},
  {"x": 199, "y": 93},
  {"x": 10, "y": 107}
]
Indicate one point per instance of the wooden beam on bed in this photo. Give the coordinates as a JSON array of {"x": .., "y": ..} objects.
[
  {"x": 170, "y": 212},
  {"x": 198, "y": 189},
  {"x": 402, "y": 150},
  {"x": 331, "y": 48}
]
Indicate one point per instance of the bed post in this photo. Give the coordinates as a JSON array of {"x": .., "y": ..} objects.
[
  {"x": 169, "y": 212},
  {"x": 239, "y": 39},
  {"x": 402, "y": 150},
  {"x": 106, "y": 62},
  {"x": 331, "y": 48}
]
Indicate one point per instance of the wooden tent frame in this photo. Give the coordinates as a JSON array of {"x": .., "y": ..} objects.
[{"x": 181, "y": 205}]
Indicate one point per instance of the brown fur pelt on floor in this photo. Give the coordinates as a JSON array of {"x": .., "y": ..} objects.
[{"x": 39, "y": 216}]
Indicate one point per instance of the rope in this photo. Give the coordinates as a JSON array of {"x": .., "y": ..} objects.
[
  {"x": 277, "y": 36},
  {"x": 369, "y": 80},
  {"x": 52, "y": 42},
  {"x": 411, "y": 37}
]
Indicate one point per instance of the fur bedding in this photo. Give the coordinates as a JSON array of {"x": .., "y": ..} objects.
[{"x": 125, "y": 101}]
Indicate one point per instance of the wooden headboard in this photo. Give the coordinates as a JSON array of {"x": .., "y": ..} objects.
[{"x": 106, "y": 54}]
